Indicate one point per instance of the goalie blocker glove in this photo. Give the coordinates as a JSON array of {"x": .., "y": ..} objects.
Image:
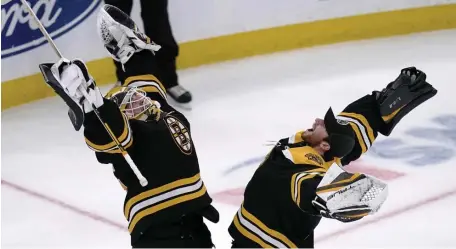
[
  {"x": 72, "y": 82},
  {"x": 401, "y": 96}
]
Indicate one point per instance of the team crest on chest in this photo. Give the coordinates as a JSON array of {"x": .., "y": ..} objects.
[{"x": 180, "y": 134}]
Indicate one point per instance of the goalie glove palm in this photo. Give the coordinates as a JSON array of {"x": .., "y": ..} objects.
[{"x": 120, "y": 35}]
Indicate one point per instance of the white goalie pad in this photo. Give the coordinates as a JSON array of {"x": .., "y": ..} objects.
[{"x": 345, "y": 192}]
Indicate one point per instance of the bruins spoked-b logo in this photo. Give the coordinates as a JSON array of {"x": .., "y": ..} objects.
[{"x": 180, "y": 134}]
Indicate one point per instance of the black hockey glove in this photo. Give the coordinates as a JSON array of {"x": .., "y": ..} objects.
[
  {"x": 348, "y": 215},
  {"x": 401, "y": 96}
]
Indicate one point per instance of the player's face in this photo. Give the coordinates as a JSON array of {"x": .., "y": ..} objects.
[
  {"x": 317, "y": 133},
  {"x": 137, "y": 105}
]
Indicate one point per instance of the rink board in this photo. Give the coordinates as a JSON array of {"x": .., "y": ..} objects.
[{"x": 232, "y": 45}]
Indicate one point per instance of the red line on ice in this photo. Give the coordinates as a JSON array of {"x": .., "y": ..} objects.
[
  {"x": 106, "y": 221},
  {"x": 388, "y": 215},
  {"x": 64, "y": 205}
]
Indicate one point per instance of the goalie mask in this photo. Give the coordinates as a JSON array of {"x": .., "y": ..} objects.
[{"x": 134, "y": 103}]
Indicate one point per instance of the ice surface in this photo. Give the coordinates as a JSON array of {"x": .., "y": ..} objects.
[{"x": 239, "y": 106}]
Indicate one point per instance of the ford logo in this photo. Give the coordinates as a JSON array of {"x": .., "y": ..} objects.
[{"x": 20, "y": 33}]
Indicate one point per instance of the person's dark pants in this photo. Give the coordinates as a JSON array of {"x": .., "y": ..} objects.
[
  {"x": 154, "y": 14},
  {"x": 190, "y": 232}
]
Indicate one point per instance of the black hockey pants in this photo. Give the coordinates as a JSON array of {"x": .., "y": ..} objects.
[
  {"x": 189, "y": 232},
  {"x": 154, "y": 14}
]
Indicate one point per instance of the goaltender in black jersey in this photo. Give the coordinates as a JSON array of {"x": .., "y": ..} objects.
[
  {"x": 169, "y": 210},
  {"x": 302, "y": 180},
  {"x": 158, "y": 138}
]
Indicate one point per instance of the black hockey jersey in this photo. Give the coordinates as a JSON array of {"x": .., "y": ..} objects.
[
  {"x": 164, "y": 152},
  {"x": 277, "y": 209}
]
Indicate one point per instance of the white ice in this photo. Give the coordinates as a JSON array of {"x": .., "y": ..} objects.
[{"x": 239, "y": 106}]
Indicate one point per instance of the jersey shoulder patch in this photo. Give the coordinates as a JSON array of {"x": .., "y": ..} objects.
[
  {"x": 315, "y": 158},
  {"x": 304, "y": 155},
  {"x": 179, "y": 133}
]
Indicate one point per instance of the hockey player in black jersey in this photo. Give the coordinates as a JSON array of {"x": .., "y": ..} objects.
[
  {"x": 302, "y": 180},
  {"x": 169, "y": 210}
]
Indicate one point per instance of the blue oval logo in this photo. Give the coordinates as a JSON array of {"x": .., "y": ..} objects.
[{"x": 20, "y": 33}]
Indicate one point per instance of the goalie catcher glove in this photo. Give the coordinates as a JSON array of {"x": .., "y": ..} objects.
[
  {"x": 408, "y": 91},
  {"x": 120, "y": 35},
  {"x": 69, "y": 79},
  {"x": 343, "y": 216},
  {"x": 348, "y": 197}
]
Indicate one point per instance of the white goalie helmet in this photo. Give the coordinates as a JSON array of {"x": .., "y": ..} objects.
[{"x": 134, "y": 102}]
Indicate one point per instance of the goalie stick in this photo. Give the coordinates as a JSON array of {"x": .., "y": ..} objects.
[{"x": 75, "y": 112}]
